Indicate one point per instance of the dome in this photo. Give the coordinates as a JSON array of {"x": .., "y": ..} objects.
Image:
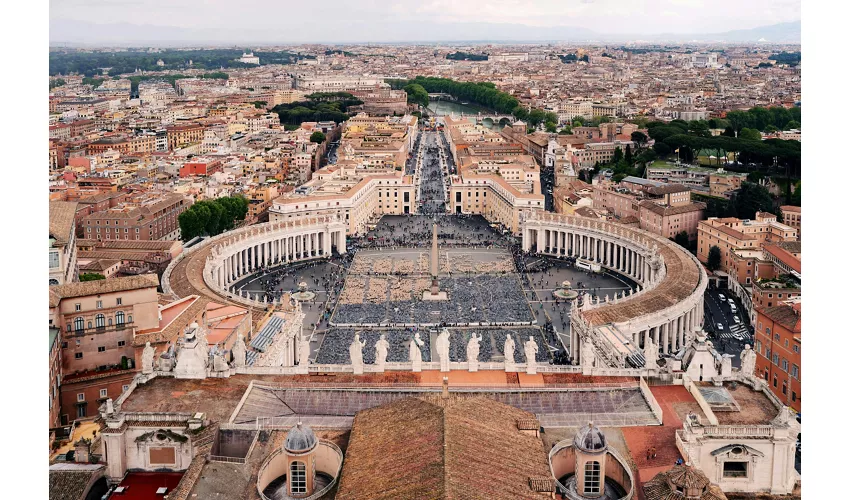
[
  {"x": 590, "y": 439},
  {"x": 300, "y": 439}
]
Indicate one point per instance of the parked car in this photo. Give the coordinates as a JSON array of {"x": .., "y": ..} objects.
[
  {"x": 736, "y": 319},
  {"x": 720, "y": 326},
  {"x": 737, "y": 336},
  {"x": 721, "y": 297}
]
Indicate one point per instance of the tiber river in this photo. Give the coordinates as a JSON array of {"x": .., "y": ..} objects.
[{"x": 442, "y": 108}]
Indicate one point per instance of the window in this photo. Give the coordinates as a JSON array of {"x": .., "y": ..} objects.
[
  {"x": 119, "y": 318},
  {"x": 103, "y": 393},
  {"x": 101, "y": 348},
  {"x": 775, "y": 359},
  {"x": 298, "y": 477},
  {"x": 81, "y": 396},
  {"x": 591, "y": 478},
  {"x": 100, "y": 321},
  {"x": 124, "y": 388},
  {"x": 767, "y": 330},
  {"x": 99, "y": 304},
  {"x": 796, "y": 348},
  {"x": 735, "y": 469},
  {"x": 129, "y": 318},
  {"x": 78, "y": 307},
  {"x": 776, "y": 337},
  {"x": 121, "y": 343},
  {"x": 118, "y": 301},
  {"x": 793, "y": 396},
  {"x": 795, "y": 371},
  {"x": 78, "y": 355},
  {"x": 54, "y": 260}
]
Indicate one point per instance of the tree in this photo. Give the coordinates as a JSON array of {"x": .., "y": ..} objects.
[
  {"x": 749, "y": 134},
  {"x": 551, "y": 127},
  {"x": 317, "y": 137},
  {"x": 92, "y": 277},
  {"x": 796, "y": 197},
  {"x": 793, "y": 124},
  {"x": 628, "y": 157},
  {"x": 618, "y": 155},
  {"x": 751, "y": 198},
  {"x": 713, "y": 263},
  {"x": 682, "y": 239},
  {"x": 190, "y": 224},
  {"x": 640, "y": 139},
  {"x": 416, "y": 94}
]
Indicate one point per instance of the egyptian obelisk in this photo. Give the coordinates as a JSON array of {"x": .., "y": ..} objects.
[{"x": 434, "y": 293}]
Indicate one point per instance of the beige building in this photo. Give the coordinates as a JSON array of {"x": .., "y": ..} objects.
[
  {"x": 730, "y": 234},
  {"x": 63, "y": 246},
  {"x": 791, "y": 216}
]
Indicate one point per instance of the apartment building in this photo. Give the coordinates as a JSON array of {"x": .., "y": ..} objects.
[
  {"x": 792, "y": 216},
  {"x": 182, "y": 135},
  {"x": 98, "y": 320},
  {"x": 150, "y": 219},
  {"x": 731, "y": 233},
  {"x": 63, "y": 248},
  {"x": 778, "y": 345}
]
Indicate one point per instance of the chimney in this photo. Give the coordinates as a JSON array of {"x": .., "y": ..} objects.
[{"x": 445, "y": 387}]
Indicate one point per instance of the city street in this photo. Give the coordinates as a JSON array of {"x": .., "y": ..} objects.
[{"x": 717, "y": 311}]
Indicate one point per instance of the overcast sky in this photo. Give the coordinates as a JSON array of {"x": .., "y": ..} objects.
[{"x": 601, "y": 16}]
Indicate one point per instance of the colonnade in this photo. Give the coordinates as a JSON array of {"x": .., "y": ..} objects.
[
  {"x": 666, "y": 309},
  {"x": 609, "y": 251}
]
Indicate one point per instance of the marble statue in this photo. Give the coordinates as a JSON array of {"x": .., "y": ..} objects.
[
  {"x": 110, "y": 408},
  {"x": 382, "y": 347},
  {"x": 147, "y": 358},
  {"x": 531, "y": 356},
  {"x": 443, "y": 349},
  {"x": 650, "y": 352},
  {"x": 355, "y": 351},
  {"x": 239, "y": 352},
  {"x": 472, "y": 349},
  {"x": 748, "y": 361},
  {"x": 415, "y": 353},
  {"x": 510, "y": 346}
]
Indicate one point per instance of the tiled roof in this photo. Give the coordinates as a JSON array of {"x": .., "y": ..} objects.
[
  {"x": 110, "y": 285},
  {"x": 785, "y": 315},
  {"x": 661, "y": 487},
  {"x": 442, "y": 448},
  {"x": 667, "y": 211},
  {"x": 62, "y": 220},
  {"x": 71, "y": 481}
]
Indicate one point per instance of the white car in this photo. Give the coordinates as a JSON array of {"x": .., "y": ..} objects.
[
  {"x": 737, "y": 319},
  {"x": 720, "y": 326},
  {"x": 721, "y": 297},
  {"x": 737, "y": 336}
]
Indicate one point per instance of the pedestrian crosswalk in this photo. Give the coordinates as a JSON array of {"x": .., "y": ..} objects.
[{"x": 736, "y": 328}]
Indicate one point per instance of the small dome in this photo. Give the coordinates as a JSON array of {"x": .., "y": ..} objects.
[
  {"x": 300, "y": 439},
  {"x": 590, "y": 439}
]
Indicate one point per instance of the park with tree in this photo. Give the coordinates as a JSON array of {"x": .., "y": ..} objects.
[{"x": 212, "y": 217}]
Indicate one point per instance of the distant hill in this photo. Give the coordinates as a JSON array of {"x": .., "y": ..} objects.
[{"x": 74, "y": 33}]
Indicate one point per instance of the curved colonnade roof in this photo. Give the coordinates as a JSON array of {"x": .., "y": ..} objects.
[{"x": 682, "y": 278}]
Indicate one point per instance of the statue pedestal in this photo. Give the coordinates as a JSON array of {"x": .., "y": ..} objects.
[
  {"x": 531, "y": 368},
  {"x": 510, "y": 367},
  {"x": 301, "y": 370},
  {"x": 358, "y": 369},
  {"x": 417, "y": 366},
  {"x": 379, "y": 367},
  {"x": 427, "y": 295},
  {"x": 473, "y": 366}
]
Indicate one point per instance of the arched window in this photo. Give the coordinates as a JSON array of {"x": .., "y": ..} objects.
[
  {"x": 108, "y": 321},
  {"x": 119, "y": 318},
  {"x": 129, "y": 318},
  {"x": 100, "y": 321},
  {"x": 54, "y": 281},
  {"x": 297, "y": 477},
  {"x": 592, "y": 478},
  {"x": 78, "y": 324}
]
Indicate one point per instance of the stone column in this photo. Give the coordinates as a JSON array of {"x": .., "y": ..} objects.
[
  {"x": 342, "y": 240},
  {"x": 664, "y": 338}
]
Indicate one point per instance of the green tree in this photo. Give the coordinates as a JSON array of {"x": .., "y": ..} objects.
[
  {"x": 749, "y": 134},
  {"x": 551, "y": 127},
  {"x": 751, "y": 198},
  {"x": 190, "y": 224},
  {"x": 796, "y": 196},
  {"x": 682, "y": 239},
  {"x": 640, "y": 139},
  {"x": 618, "y": 155},
  {"x": 628, "y": 157},
  {"x": 793, "y": 124},
  {"x": 317, "y": 137},
  {"x": 92, "y": 277},
  {"x": 416, "y": 94},
  {"x": 713, "y": 263}
]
